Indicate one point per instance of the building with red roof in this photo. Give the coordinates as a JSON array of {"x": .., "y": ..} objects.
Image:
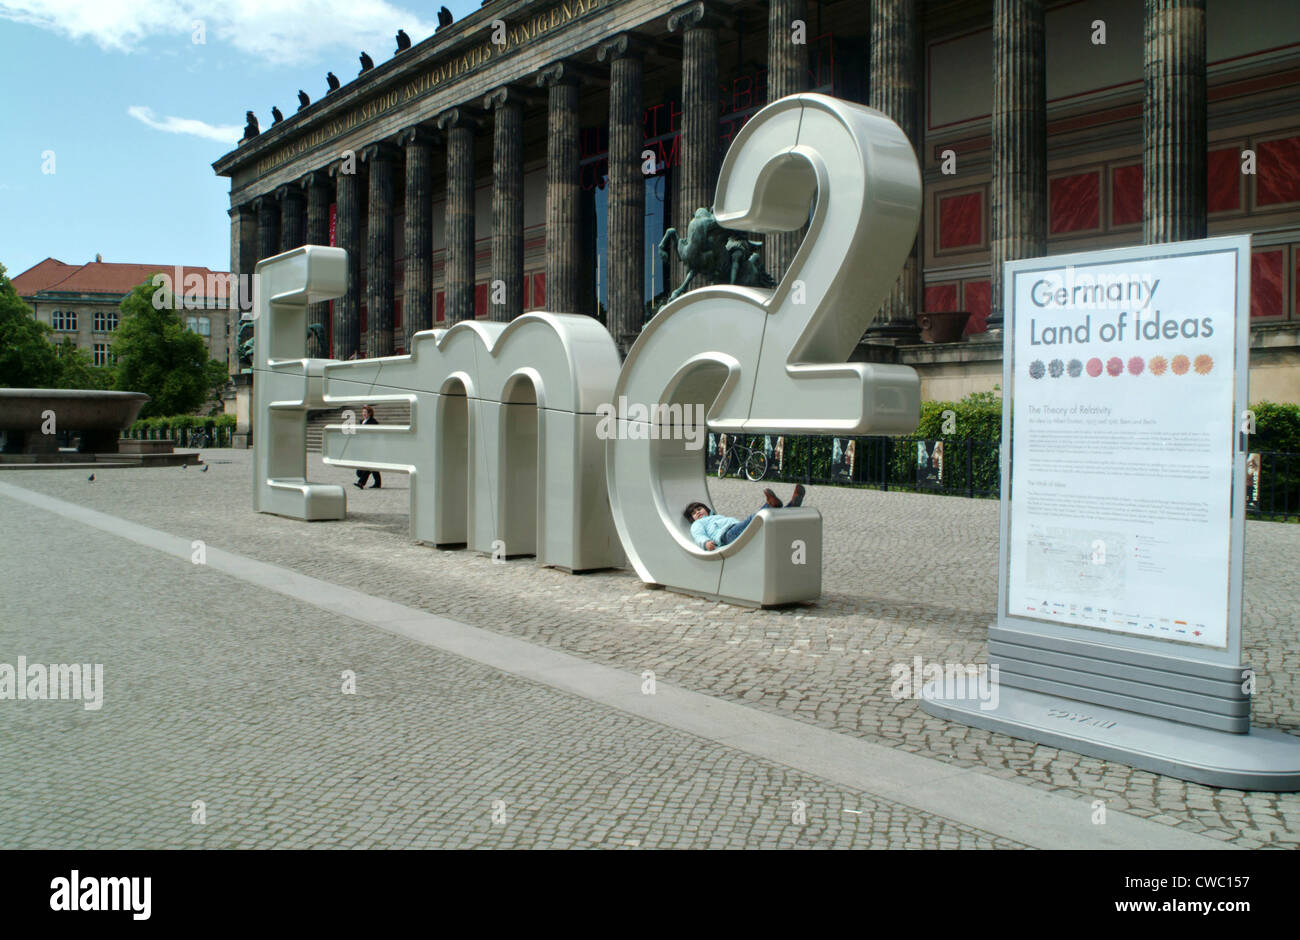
[{"x": 81, "y": 301}]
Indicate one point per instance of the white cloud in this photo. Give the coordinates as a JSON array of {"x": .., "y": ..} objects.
[
  {"x": 225, "y": 133},
  {"x": 285, "y": 31}
]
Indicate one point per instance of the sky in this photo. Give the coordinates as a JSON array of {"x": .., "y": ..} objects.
[{"x": 114, "y": 111}]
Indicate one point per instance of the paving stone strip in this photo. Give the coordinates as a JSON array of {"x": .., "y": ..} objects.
[
  {"x": 905, "y": 575},
  {"x": 223, "y": 698},
  {"x": 1001, "y": 807}
]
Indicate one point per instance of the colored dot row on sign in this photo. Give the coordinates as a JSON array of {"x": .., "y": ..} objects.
[{"x": 1136, "y": 365}]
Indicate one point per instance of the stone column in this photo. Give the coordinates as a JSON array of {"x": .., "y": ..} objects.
[
  {"x": 459, "y": 126},
  {"x": 243, "y": 258},
  {"x": 698, "y": 173},
  {"x": 895, "y": 89},
  {"x": 625, "y": 250},
  {"x": 292, "y": 216},
  {"x": 1019, "y": 203},
  {"x": 381, "y": 158},
  {"x": 563, "y": 225},
  {"x": 787, "y": 74},
  {"x": 268, "y": 226},
  {"x": 1174, "y": 122},
  {"x": 417, "y": 288},
  {"x": 507, "y": 203},
  {"x": 347, "y": 309},
  {"x": 268, "y": 229},
  {"x": 319, "y": 193}
]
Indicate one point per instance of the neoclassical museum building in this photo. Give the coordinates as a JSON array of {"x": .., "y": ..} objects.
[{"x": 533, "y": 154}]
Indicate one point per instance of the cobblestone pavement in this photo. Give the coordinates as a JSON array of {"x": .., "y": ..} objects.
[
  {"x": 229, "y": 694},
  {"x": 905, "y": 575}
]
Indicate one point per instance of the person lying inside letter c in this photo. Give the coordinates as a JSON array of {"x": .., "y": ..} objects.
[{"x": 710, "y": 531}]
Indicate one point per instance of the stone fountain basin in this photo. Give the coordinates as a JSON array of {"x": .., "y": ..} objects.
[{"x": 22, "y": 409}]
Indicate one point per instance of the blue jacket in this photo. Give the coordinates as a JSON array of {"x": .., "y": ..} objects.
[{"x": 710, "y": 529}]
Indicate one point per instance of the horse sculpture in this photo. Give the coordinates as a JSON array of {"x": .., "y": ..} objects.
[
  {"x": 244, "y": 342},
  {"x": 722, "y": 255}
]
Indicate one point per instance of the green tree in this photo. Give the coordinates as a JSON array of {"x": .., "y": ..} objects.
[
  {"x": 77, "y": 370},
  {"x": 1277, "y": 427},
  {"x": 27, "y": 357},
  {"x": 972, "y": 426},
  {"x": 158, "y": 356}
]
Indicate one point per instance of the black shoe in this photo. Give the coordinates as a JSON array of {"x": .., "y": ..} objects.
[
  {"x": 359, "y": 485},
  {"x": 797, "y": 498},
  {"x": 772, "y": 499},
  {"x": 375, "y": 486}
]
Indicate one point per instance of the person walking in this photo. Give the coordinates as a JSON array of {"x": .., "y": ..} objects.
[{"x": 368, "y": 417}]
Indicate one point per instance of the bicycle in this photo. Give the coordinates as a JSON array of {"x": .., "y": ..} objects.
[{"x": 740, "y": 457}]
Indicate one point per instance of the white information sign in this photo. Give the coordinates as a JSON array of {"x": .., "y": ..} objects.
[{"x": 1123, "y": 385}]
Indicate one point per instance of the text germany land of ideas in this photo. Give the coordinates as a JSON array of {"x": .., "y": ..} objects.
[{"x": 1123, "y": 382}]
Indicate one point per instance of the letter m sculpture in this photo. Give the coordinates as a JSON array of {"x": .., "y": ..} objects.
[{"x": 501, "y": 449}]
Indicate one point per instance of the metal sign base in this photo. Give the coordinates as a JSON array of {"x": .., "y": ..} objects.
[{"x": 1264, "y": 759}]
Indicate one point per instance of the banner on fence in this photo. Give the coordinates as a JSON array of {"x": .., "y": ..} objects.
[
  {"x": 843, "y": 456},
  {"x": 1126, "y": 370},
  {"x": 715, "y": 450},
  {"x": 774, "y": 448},
  {"x": 929, "y": 464},
  {"x": 1252, "y": 482}
]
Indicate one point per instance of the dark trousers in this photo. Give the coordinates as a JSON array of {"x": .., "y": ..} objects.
[
  {"x": 733, "y": 532},
  {"x": 362, "y": 475}
]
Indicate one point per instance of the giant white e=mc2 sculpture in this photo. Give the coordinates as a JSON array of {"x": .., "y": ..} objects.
[{"x": 503, "y": 446}]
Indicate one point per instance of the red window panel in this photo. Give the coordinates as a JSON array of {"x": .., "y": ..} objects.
[
  {"x": 441, "y": 314},
  {"x": 397, "y": 313},
  {"x": 1277, "y": 178},
  {"x": 528, "y": 283},
  {"x": 539, "y": 290},
  {"x": 1223, "y": 180},
  {"x": 364, "y": 319},
  {"x": 1126, "y": 195},
  {"x": 961, "y": 220},
  {"x": 941, "y": 297},
  {"x": 1075, "y": 202},
  {"x": 977, "y": 295},
  {"x": 1266, "y": 283},
  {"x": 480, "y": 300}
]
